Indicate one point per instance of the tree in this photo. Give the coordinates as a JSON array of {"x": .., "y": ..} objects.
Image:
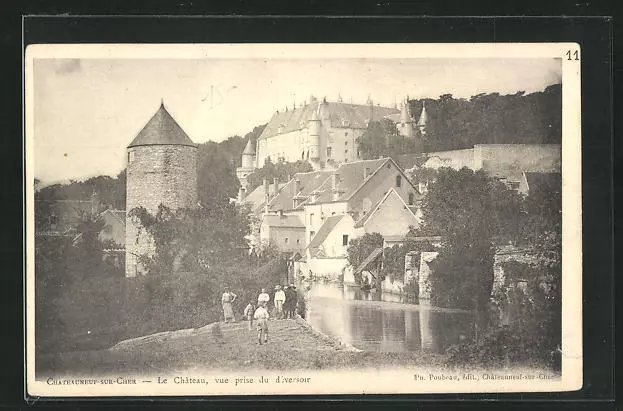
[
  {"x": 281, "y": 170},
  {"x": 381, "y": 139},
  {"x": 360, "y": 248},
  {"x": 193, "y": 239},
  {"x": 492, "y": 119},
  {"x": 216, "y": 178},
  {"x": 468, "y": 209}
]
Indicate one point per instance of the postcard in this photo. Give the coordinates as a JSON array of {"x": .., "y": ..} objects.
[{"x": 254, "y": 219}]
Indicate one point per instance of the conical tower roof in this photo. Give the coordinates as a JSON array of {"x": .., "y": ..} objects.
[
  {"x": 162, "y": 129},
  {"x": 423, "y": 117},
  {"x": 249, "y": 148}
]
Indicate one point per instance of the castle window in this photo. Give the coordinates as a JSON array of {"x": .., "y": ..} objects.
[
  {"x": 286, "y": 240},
  {"x": 329, "y": 151},
  {"x": 311, "y": 219},
  {"x": 398, "y": 181},
  {"x": 411, "y": 198},
  {"x": 298, "y": 241},
  {"x": 130, "y": 156},
  {"x": 345, "y": 239}
]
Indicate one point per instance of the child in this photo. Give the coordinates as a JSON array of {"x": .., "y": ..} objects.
[
  {"x": 248, "y": 313},
  {"x": 261, "y": 315}
]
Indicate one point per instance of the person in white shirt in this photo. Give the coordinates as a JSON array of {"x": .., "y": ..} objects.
[
  {"x": 248, "y": 313},
  {"x": 261, "y": 315},
  {"x": 280, "y": 298},
  {"x": 263, "y": 297}
]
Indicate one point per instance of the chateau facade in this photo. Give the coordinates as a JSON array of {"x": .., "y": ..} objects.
[{"x": 323, "y": 132}]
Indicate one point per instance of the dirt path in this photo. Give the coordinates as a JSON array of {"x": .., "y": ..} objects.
[{"x": 292, "y": 345}]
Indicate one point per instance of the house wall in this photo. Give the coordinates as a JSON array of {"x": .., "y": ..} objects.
[
  {"x": 113, "y": 230},
  {"x": 391, "y": 218},
  {"x": 318, "y": 210},
  {"x": 277, "y": 236},
  {"x": 378, "y": 185},
  {"x": 332, "y": 245},
  {"x": 327, "y": 267}
]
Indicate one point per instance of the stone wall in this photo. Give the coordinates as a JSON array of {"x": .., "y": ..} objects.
[{"x": 156, "y": 174}]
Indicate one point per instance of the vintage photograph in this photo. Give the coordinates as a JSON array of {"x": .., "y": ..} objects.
[{"x": 302, "y": 219}]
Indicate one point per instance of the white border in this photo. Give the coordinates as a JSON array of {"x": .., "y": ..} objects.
[{"x": 361, "y": 381}]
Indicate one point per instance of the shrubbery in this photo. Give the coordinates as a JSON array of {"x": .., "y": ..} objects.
[{"x": 78, "y": 310}]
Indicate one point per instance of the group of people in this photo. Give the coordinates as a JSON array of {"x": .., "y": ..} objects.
[{"x": 285, "y": 302}]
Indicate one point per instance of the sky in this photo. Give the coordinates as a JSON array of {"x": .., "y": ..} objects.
[{"x": 86, "y": 111}]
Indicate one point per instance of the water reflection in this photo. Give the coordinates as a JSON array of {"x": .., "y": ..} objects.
[{"x": 365, "y": 321}]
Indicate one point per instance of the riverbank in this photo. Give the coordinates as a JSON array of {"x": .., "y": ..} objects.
[{"x": 292, "y": 345}]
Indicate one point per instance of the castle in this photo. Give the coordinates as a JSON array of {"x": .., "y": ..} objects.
[
  {"x": 322, "y": 132},
  {"x": 161, "y": 169}
]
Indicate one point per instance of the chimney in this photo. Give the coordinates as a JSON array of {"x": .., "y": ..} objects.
[
  {"x": 94, "y": 204},
  {"x": 266, "y": 195},
  {"x": 335, "y": 179},
  {"x": 295, "y": 188},
  {"x": 242, "y": 195},
  {"x": 275, "y": 186}
]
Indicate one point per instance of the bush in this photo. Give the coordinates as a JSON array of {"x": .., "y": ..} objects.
[{"x": 505, "y": 347}]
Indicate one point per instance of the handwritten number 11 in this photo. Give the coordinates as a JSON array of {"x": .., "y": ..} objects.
[{"x": 575, "y": 54}]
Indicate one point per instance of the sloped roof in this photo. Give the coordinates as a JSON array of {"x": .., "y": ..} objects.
[
  {"x": 339, "y": 114},
  {"x": 257, "y": 196},
  {"x": 249, "y": 148},
  {"x": 323, "y": 232},
  {"x": 373, "y": 256},
  {"x": 308, "y": 182},
  {"x": 119, "y": 214},
  {"x": 544, "y": 182},
  {"x": 285, "y": 220},
  {"x": 351, "y": 178},
  {"x": 362, "y": 221},
  {"x": 350, "y": 181},
  {"x": 423, "y": 117},
  {"x": 162, "y": 129}
]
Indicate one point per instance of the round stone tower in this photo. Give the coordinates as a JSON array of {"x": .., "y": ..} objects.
[
  {"x": 315, "y": 125},
  {"x": 161, "y": 169}
]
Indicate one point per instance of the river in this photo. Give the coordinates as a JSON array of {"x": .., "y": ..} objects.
[{"x": 383, "y": 322}]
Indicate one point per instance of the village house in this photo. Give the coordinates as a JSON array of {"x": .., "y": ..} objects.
[
  {"x": 329, "y": 205},
  {"x": 114, "y": 227}
]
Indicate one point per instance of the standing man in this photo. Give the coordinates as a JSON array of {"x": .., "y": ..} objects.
[
  {"x": 261, "y": 315},
  {"x": 263, "y": 297},
  {"x": 292, "y": 299},
  {"x": 280, "y": 299}
]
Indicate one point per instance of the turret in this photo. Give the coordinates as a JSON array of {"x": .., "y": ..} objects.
[
  {"x": 248, "y": 154},
  {"x": 161, "y": 170},
  {"x": 422, "y": 123},
  {"x": 315, "y": 125},
  {"x": 406, "y": 125}
]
